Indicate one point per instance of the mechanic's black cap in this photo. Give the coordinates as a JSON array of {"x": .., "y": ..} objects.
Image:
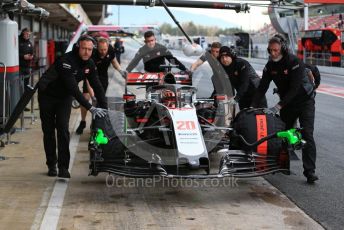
[{"x": 226, "y": 51}]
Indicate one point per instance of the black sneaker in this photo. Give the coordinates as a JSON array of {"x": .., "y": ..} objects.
[
  {"x": 81, "y": 127},
  {"x": 52, "y": 171},
  {"x": 311, "y": 177},
  {"x": 64, "y": 173}
]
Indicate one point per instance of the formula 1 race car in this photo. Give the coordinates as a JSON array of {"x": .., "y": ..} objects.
[{"x": 173, "y": 133}]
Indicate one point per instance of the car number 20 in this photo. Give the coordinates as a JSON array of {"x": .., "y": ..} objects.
[{"x": 186, "y": 125}]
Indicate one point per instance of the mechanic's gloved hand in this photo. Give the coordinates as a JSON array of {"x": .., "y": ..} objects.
[
  {"x": 273, "y": 110},
  {"x": 97, "y": 112},
  {"x": 123, "y": 73},
  {"x": 233, "y": 101}
]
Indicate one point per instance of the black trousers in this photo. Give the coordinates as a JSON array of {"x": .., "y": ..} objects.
[
  {"x": 104, "y": 80},
  {"x": 55, "y": 114},
  {"x": 24, "y": 73},
  {"x": 305, "y": 112}
]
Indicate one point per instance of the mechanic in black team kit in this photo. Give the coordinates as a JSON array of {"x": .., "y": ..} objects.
[
  {"x": 242, "y": 76},
  {"x": 214, "y": 51},
  {"x": 57, "y": 86},
  {"x": 103, "y": 56},
  {"x": 25, "y": 55},
  {"x": 296, "y": 97},
  {"x": 153, "y": 55}
]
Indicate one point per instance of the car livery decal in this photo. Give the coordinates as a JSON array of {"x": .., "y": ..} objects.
[{"x": 188, "y": 133}]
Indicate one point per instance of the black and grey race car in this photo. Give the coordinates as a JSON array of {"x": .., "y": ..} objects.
[{"x": 172, "y": 133}]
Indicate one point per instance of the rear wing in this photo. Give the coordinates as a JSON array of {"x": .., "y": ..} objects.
[{"x": 138, "y": 78}]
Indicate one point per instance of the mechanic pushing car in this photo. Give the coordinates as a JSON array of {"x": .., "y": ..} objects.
[
  {"x": 56, "y": 88},
  {"x": 153, "y": 55},
  {"x": 103, "y": 56},
  {"x": 214, "y": 51},
  {"x": 243, "y": 78},
  {"x": 296, "y": 97}
]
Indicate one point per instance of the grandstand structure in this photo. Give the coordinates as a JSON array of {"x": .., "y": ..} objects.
[
  {"x": 323, "y": 21},
  {"x": 314, "y": 22}
]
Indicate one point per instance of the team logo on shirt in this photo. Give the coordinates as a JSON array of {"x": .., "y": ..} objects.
[
  {"x": 87, "y": 71},
  {"x": 236, "y": 73},
  {"x": 295, "y": 67},
  {"x": 158, "y": 53},
  {"x": 66, "y": 66},
  {"x": 285, "y": 72}
]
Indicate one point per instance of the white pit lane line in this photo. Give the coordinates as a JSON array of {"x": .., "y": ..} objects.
[{"x": 52, "y": 213}]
